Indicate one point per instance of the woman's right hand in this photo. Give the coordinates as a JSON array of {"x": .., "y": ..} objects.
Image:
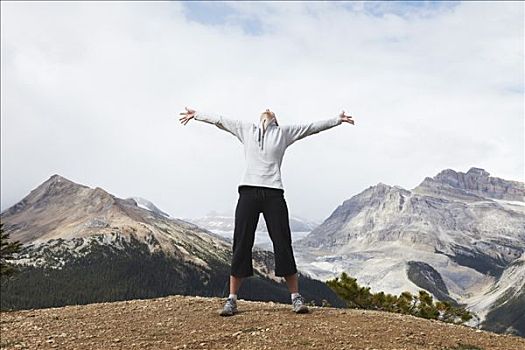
[{"x": 190, "y": 113}]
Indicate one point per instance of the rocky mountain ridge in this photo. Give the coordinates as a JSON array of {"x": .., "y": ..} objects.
[
  {"x": 460, "y": 236},
  {"x": 98, "y": 247},
  {"x": 475, "y": 184}
]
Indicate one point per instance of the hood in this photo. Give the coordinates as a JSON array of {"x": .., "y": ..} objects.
[{"x": 261, "y": 131}]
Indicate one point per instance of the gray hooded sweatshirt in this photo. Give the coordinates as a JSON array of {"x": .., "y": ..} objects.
[{"x": 264, "y": 149}]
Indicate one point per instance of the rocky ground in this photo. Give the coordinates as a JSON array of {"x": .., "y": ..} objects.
[{"x": 183, "y": 322}]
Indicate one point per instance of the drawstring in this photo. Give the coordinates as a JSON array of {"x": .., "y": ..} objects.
[
  {"x": 260, "y": 139},
  {"x": 260, "y": 134}
]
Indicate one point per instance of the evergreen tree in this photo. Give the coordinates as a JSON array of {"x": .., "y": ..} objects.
[
  {"x": 421, "y": 305},
  {"x": 7, "y": 249}
]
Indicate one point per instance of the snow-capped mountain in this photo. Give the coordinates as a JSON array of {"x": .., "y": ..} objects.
[
  {"x": 84, "y": 245},
  {"x": 223, "y": 224},
  {"x": 215, "y": 221},
  {"x": 460, "y": 236},
  {"x": 146, "y": 204}
]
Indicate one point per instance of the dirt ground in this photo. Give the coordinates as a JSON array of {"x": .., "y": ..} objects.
[{"x": 183, "y": 322}]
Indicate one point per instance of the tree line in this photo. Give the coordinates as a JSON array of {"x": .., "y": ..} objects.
[
  {"x": 163, "y": 278},
  {"x": 420, "y": 305}
]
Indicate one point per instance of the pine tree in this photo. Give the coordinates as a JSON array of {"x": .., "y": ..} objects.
[
  {"x": 7, "y": 249},
  {"x": 421, "y": 305}
]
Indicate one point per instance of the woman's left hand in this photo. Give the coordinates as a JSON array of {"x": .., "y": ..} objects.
[{"x": 346, "y": 118}]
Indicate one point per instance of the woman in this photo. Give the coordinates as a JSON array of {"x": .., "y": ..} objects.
[{"x": 261, "y": 190}]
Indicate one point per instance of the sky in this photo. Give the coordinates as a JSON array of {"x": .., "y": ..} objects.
[{"x": 92, "y": 91}]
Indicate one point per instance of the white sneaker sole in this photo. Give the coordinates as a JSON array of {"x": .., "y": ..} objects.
[
  {"x": 224, "y": 313},
  {"x": 302, "y": 310}
]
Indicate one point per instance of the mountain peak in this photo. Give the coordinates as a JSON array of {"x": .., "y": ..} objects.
[
  {"x": 473, "y": 172},
  {"x": 59, "y": 207},
  {"x": 98, "y": 189},
  {"x": 445, "y": 173},
  {"x": 56, "y": 178},
  {"x": 476, "y": 184},
  {"x": 379, "y": 187},
  {"x": 478, "y": 172},
  {"x": 56, "y": 185},
  {"x": 379, "y": 190}
]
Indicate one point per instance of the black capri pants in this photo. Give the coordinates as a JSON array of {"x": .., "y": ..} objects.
[{"x": 270, "y": 201}]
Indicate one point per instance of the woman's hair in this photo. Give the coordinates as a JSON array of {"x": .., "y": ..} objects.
[{"x": 269, "y": 115}]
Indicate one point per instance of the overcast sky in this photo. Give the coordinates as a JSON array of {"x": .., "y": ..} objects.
[{"x": 92, "y": 91}]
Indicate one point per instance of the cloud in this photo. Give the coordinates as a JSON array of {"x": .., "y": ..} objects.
[{"x": 92, "y": 91}]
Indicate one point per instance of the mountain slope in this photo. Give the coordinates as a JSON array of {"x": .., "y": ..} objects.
[
  {"x": 83, "y": 245},
  {"x": 455, "y": 235}
]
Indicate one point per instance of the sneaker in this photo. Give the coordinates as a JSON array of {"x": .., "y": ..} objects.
[
  {"x": 299, "y": 306},
  {"x": 230, "y": 308}
]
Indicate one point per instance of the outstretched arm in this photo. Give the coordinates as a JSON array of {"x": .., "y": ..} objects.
[
  {"x": 296, "y": 132},
  {"x": 237, "y": 128}
]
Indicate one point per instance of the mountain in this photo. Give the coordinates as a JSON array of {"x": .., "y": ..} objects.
[
  {"x": 214, "y": 221},
  {"x": 86, "y": 245},
  {"x": 460, "y": 236},
  {"x": 187, "y": 322},
  {"x": 475, "y": 185},
  {"x": 223, "y": 225},
  {"x": 146, "y": 204}
]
